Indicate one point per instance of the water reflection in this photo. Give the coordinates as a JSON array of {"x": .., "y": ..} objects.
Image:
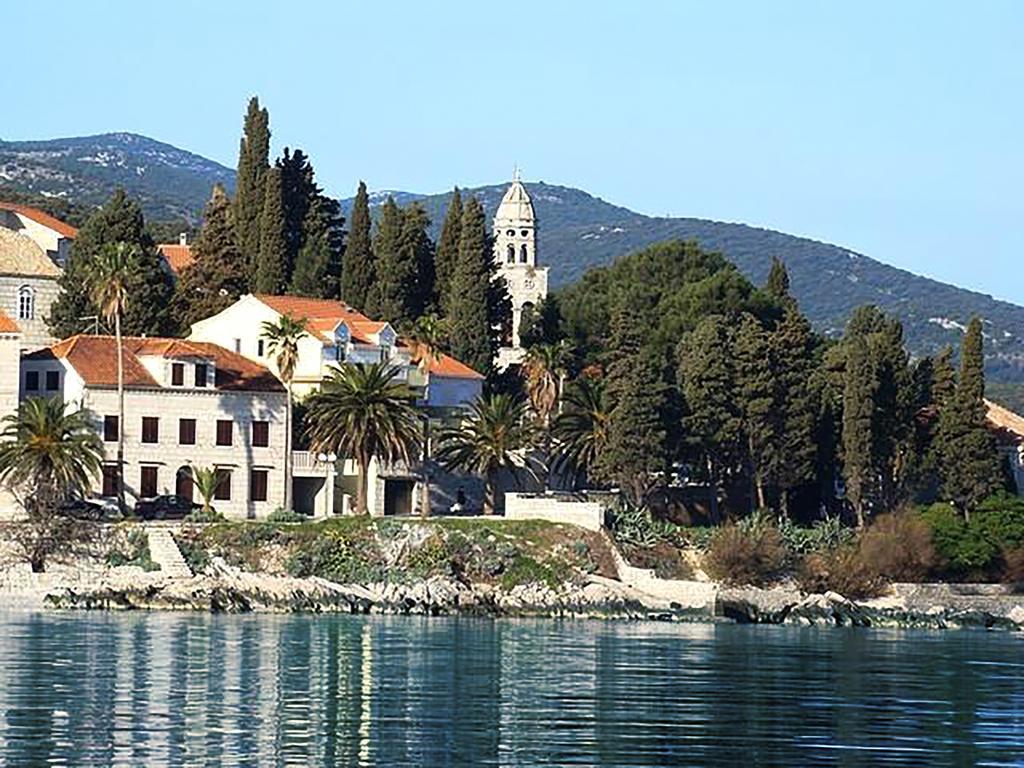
[{"x": 182, "y": 689}]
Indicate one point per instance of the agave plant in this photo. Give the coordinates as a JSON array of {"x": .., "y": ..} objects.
[{"x": 205, "y": 481}]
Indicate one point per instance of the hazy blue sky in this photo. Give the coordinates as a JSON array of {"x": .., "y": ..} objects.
[{"x": 893, "y": 128}]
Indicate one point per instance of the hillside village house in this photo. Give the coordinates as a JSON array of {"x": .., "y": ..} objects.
[
  {"x": 33, "y": 251},
  {"x": 186, "y": 404},
  {"x": 339, "y": 335}
]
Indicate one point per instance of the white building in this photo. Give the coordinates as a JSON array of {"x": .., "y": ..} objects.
[
  {"x": 33, "y": 250},
  {"x": 10, "y": 352},
  {"x": 339, "y": 335},
  {"x": 515, "y": 250},
  {"x": 186, "y": 404}
]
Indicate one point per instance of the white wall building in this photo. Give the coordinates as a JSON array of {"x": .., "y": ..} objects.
[
  {"x": 339, "y": 335},
  {"x": 10, "y": 352},
  {"x": 515, "y": 250},
  {"x": 186, "y": 404}
]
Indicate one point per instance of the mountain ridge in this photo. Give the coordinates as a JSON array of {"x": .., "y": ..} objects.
[{"x": 577, "y": 232}]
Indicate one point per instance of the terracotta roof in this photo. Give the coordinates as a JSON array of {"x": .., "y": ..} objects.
[
  {"x": 445, "y": 365},
  {"x": 7, "y": 325},
  {"x": 41, "y": 217},
  {"x": 94, "y": 358},
  {"x": 312, "y": 309},
  {"x": 21, "y": 255},
  {"x": 177, "y": 256}
]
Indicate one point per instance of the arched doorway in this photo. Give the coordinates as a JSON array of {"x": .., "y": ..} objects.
[{"x": 183, "y": 485}]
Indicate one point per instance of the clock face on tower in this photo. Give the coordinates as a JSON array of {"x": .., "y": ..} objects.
[{"x": 528, "y": 282}]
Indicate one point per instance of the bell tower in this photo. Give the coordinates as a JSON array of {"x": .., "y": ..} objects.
[{"x": 515, "y": 251}]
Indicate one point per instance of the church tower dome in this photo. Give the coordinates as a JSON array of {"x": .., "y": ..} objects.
[{"x": 515, "y": 251}]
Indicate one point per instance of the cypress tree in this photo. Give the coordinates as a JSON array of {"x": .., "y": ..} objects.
[
  {"x": 318, "y": 263},
  {"x": 217, "y": 276},
  {"x": 299, "y": 193},
  {"x": 757, "y": 399},
  {"x": 636, "y": 440},
  {"x": 448, "y": 252},
  {"x": 470, "y": 327},
  {"x": 798, "y": 403},
  {"x": 713, "y": 420},
  {"x": 858, "y": 420},
  {"x": 395, "y": 270},
  {"x": 416, "y": 248},
  {"x": 970, "y": 466},
  {"x": 778, "y": 280},
  {"x": 151, "y": 286},
  {"x": 358, "y": 269},
  {"x": 253, "y": 164},
  {"x": 943, "y": 378},
  {"x": 273, "y": 254}
]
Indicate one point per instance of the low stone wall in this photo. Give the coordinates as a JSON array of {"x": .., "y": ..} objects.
[
  {"x": 684, "y": 593},
  {"x": 585, "y": 514}
]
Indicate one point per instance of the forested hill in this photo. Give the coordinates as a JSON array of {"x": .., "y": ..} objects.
[
  {"x": 578, "y": 231},
  {"x": 168, "y": 182}
]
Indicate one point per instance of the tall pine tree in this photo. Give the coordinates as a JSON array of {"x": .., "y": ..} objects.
[
  {"x": 151, "y": 286},
  {"x": 859, "y": 470},
  {"x": 778, "y": 280},
  {"x": 217, "y": 276},
  {"x": 756, "y": 395},
  {"x": 635, "y": 445},
  {"x": 358, "y": 269},
  {"x": 395, "y": 272},
  {"x": 416, "y": 248},
  {"x": 970, "y": 466},
  {"x": 470, "y": 319},
  {"x": 253, "y": 164},
  {"x": 448, "y": 252},
  {"x": 273, "y": 255},
  {"x": 318, "y": 263}
]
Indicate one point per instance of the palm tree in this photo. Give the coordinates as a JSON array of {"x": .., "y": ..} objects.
[
  {"x": 494, "y": 437},
  {"x": 362, "y": 412},
  {"x": 205, "y": 480},
  {"x": 545, "y": 368},
  {"x": 109, "y": 274},
  {"x": 582, "y": 427},
  {"x": 282, "y": 340},
  {"x": 47, "y": 455},
  {"x": 427, "y": 335}
]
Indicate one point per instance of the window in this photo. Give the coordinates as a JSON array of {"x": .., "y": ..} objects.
[
  {"x": 223, "y": 432},
  {"x": 110, "y": 480},
  {"x": 339, "y": 352},
  {"x": 238, "y": 346},
  {"x": 511, "y": 233},
  {"x": 177, "y": 374},
  {"x": 52, "y": 381},
  {"x": 200, "y": 374},
  {"x": 32, "y": 381},
  {"x": 186, "y": 431},
  {"x": 259, "y": 347},
  {"x": 261, "y": 434},
  {"x": 223, "y": 492},
  {"x": 525, "y": 232},
  {"x": 183, "y": 485},
  {"x": 522, "y": 253},
  {"x": 510, "y": 252},
  {"x": 385, "y": 353},
  {"x": 110, "y": 429},
  {"x": 258, "y": 485},
  {"x": 26, "y": 303},
  {"x": 147, "y": 482},
  {"x": 150, "y": 429}
]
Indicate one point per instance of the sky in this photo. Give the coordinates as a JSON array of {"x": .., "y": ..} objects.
[{"x": 895, "y": 129}]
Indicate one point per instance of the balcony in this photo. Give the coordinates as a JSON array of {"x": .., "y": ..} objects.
[{"x": 308, "y": 464}]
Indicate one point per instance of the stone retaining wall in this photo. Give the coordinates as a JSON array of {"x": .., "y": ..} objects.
[{"x": 585, "y": 514}]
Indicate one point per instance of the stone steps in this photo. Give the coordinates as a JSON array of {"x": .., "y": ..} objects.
[{"x": 165, "y": 553}]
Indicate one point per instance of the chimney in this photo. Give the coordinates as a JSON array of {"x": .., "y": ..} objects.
[{"x": 183, "y": 238}]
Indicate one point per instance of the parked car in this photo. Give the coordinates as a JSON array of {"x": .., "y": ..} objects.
[
  {"x": 164, "y": 508},
  {"x": 89, "y": 509}
]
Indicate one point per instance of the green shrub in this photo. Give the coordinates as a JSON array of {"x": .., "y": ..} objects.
[
  {"x": 339, "y": 557},
  {"x": 204, "y": 516},
  {"x": 746, "y": 554},
  {"x": 280, "y": 515},
  {"x": 526, "y": 570},
  {"x": 634, "y": 525},
  {"x": 134, "y": 550},
  {"x": 964, "y": 547},
  {"x": 195, "y": 554}
]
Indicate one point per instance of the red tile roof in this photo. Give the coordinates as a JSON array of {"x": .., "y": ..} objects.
[
  {"x": 94, "y": 358},
  {"x": 177, "y": 256},
  {"x": 312, "y": 309},
  {"x": 7, "y": 325},
  {"x": 444, "y": 365},
  {"x": 41, "y": 217}
]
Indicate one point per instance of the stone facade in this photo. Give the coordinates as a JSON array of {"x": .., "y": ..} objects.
[
  {"x": 585, "y": 514},
  {"x": 10, "y": 352},
  {"x": 515, "y": 251},
  {"x": 43, "y": 293}
]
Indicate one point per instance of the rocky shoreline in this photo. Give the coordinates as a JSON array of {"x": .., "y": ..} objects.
[{"x": 224, "y": 589}]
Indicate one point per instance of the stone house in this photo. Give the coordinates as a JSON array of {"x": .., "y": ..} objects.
[
  {"x": 187, "y": 403},
  {"x": 33, "y": 250},
  {"x": 339, "y": 335},
  {"x": 10, "y": 353},
  {"x": 1008, "y": 428}
]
